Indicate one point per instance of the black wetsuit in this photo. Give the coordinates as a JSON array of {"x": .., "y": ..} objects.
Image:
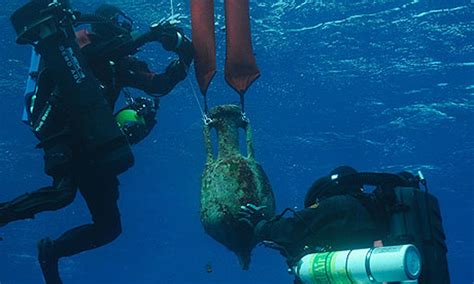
[
  {"x": 101, "y": 194},
  {"x": 71, "y": 169},
  {"x": 337, "y": 223}
]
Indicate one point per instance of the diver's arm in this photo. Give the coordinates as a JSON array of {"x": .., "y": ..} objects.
[
  {"x": 308, "y": 221},
  {"x": 171, "y": 38},
  {"x": 176, "y": 71},
  {"x": 136, "y": 74},
  {"x": 163, "y": 83},
  {"x": 106, "y": 50},
  {"x": 114, "y": 48},
  {"x": 286, "y": 231}
]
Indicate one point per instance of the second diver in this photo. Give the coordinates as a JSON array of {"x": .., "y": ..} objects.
[{"x": 69, "y": 114}]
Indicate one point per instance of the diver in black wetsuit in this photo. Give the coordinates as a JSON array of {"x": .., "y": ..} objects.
[
  {"x": 333, "y": 220},
  {"x": 71, "y": 113},
  {"x": 339, "y": 215}
]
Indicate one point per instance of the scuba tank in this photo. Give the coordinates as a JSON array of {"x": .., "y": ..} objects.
[
  {"x": 48, "y": 26},
  {"x": 382, "y": 264},
  {"x": 413, "y": 217},
  {"x": 31, "y": 86}
]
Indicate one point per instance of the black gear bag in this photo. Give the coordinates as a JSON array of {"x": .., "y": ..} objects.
[{"x": 410, "y": 216}]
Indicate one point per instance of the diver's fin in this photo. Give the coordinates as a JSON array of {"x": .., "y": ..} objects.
[
  {"x": 241, "y": 68},
  {"x": 244, "y": 259},
  {"x": 204, "y": 42}
]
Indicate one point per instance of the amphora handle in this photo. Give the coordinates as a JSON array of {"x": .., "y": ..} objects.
[{"x": 227, "y": 120}]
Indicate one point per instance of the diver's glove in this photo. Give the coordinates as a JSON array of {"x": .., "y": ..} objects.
[
  {"x": 177, "y": 70},
  {"x": 172, "y": 38},
  {"x": 168, "y": 34},
  {"x": 252, "y": 215},
  {"x": 186, "y": 51}
]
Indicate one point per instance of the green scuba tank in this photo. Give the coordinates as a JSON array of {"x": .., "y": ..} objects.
[{"x": 48, "y": 25}]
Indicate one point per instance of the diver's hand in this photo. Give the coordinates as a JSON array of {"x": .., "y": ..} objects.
[
  {"x": 168, "y": 34},
  {"x": 251, "y": 214},
  {"x": 173, "y": 39},
  {"x": 186, "y": 51},
  {"x": 177, "y": 70}
]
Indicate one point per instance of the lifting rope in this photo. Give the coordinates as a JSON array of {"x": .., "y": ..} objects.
[{"x": 204, "y": 111}]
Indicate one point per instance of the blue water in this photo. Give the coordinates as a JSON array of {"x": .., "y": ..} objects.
[{"x": 383, "y": 85}]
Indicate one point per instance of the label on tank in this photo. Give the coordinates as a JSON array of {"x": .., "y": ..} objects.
[{"x": 387, "y": 249}]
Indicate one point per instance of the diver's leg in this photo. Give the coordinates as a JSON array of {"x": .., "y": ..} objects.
[
  {"x": 58, "y": 164},
  {"x": 101, "y": 195},
  {"x": 48, "y": 261},
  {"x": 57, "y": 196}
]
